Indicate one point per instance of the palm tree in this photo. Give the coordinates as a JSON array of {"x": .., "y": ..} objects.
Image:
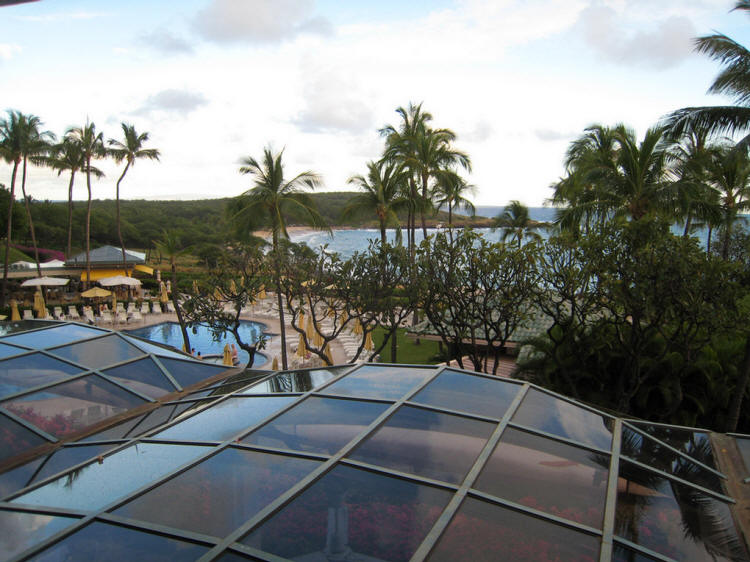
[
  {"x": 516, "y": 223},
  {"x": 733, "y": 80},
  {"x": 92, "y": 146},
  {"x": 11, "y": 150},
  {"x": 730, "y": 175},
  {"x": 68, "y": 156},
  {"x": 129, "y": 150},
  {"x": 382, "y": 194},
  {"x": 449, "y": 190},
  {"x": 272, "y": 199},
  {"x": 35, "y": 144},
  {"x": 169, "y": 247}
]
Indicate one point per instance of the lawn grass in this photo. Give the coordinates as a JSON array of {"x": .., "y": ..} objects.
[{"x": 408, "y": 351}]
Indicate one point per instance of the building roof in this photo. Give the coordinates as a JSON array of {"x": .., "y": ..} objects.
[
  {"x": 380, "y": 462},
  {"x": 106, "y": 255}
]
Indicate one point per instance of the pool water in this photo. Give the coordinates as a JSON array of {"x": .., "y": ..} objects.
[{"x": 202, "y": 340}]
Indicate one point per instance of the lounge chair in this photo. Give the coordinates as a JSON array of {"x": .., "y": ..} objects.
[
  {"x": 134, "y": 316},
  {"x": 157, "y": 308},
  {"x": 131, "y": 307},
  {"x": 28, "y": 314},
  {"x": 57, "y": 313},
  {"x": 170, "y": 308},
  {"x": 106, "y": 317},
  {"x": 144, "y": 308},
  {"x": 88, "y": 314},
  {"x": 73, "y": 313}
]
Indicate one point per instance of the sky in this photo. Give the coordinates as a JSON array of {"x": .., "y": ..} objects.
[{"x": 216, "y": 81}]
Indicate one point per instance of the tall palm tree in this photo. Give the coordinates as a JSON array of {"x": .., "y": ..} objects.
[
  {"x": 129, "y": 150},
  {"x": 382, "y": 194},
  {"x": 11, "y": 150},
  {"x": 450, "y": 190},
  {"x": 269, "y": 202},
  {"x": 733, "y": 81},
  {"x": 67, "y": 156},
  {"x": 730, "y": 176},
  {"x": 92, "y": 146},
  {"x": 169, "y": 247},
  {"x": 36, "y": 144},
  {"x": 517, "y": 224}
]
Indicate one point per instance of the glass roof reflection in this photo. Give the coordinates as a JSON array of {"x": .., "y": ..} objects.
[
  {"x": 30, "y": 371},
  {"x": 693, "y": 443},
  {"x": 542, "y": 411},
  {"x": 142, "y": 376},
  {"x": 20, "y": 530},
  {"x": 58, "y": 335},
  {"x": 386, "y": 383},
  {"x": 99, "y": 353},
  {"x": 303, "y": 381}
]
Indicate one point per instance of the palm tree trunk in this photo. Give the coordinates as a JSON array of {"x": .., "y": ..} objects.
[
  {"x": 183, "y": 328},
  {"x": 422, "y": 205},
  {"x": 282, "y": 328},
  {"x": 70, "y": 214},
  {"x": 739, "y": 391},
  {"x": 727, "y": 236},
  {"x": 31, "y": 221},
  {"x": 117, "y": 214},
  {"x": 8, "y": 233},
  {"x": 708, "y": 241},
  {"x": 88, "y": 224}
]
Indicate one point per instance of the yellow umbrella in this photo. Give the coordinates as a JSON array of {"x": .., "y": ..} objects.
[
  {"x": 195, "y": 287},
  {"x": 164, "y": 297},
  {"x": 275, "y": 364},
  {"x": 39, "y": 306},
  {"x": 329, "y": 355},
  {"x": 262, "y": 294},
  {"x": 301, "y": 347},
  {"x": 301, "y": 322},
  {"x": 14, "y": 314},
  {"x": 227, "y": 355},
  {"x": 357, "y": 326},
  {"x": 318, "y": 339},
  {"x": 95, "y": 292},
  {"x": 232, "y": 287},
  {"x": 369, "y": 344},
  {"x": 310, "y": 329},
  {"x": 114, "y": 306},
  {"x": 217, "y": 294}
]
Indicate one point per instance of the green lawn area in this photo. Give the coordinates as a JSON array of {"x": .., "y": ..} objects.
[
  {"x": 408, "y": 351},
  {"x": 15, "y": 255}
]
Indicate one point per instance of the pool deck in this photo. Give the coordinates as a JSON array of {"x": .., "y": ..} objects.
[{"x": 273, "y": 345}]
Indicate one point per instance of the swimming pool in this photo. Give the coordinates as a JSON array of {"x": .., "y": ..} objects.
[{"x": 201, "y": 339}]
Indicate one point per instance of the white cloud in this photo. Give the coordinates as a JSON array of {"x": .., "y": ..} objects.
[
  {"x": 167, "y": 42},
  {"x": 173, "y": 101},
  {"x": 7, "y": 50},
  {"x": 258, "y": 21},
  {"x": 662, "y": 44},
  {"x": 62, "y": 16}
]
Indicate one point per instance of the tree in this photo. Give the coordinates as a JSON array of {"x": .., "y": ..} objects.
[
  {"x": 129, "y": 150},
  {"x": 92, "y": 146},
  {"x": 271, "y": 201},
  {"x": 382, "y": 195},
  {"x": 450, "y": 190},
  {"x": 517, "y": 224},
  {"x": 733, "y": 80},
  {"x": 232, "y": 284},
  {"x": 729, "y": 174},
  {"x": 67, "y": 156},
  {"x": 170, "y": 247}
]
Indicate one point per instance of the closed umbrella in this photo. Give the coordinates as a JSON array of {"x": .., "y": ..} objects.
[
  {"x": 310, "y": 329},
  {"x": 262, "y": 294},
  {"x": 369, "y": 344},
  {"x": 195, "y": 287},
  {"x": 302, "y": 318},
  {"x": 275, "y": 364},
  {"x": 39, "y": 306},
  {"x": 232, "y": 288},
  {"x": 329, "y": 355},
  {"x": 164, "y": 297},
  {"x": 114, "y": 306},
  {"x": 14, "y": 314},
  {"x": 301, "y": 347},
  {"x": 227, "y": 355},
  {"x": 357, "y": 326},
  {"x": 319, "y": 341}
]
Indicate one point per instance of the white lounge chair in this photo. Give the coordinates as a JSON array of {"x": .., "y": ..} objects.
[
  {"x": 88, "y": 314},
  {"x": 170, "y": 308},
  {"x": 131, "y": 307},
  {"x": 144, "y": 308},
  {"x": 157, "y": 308},
  {"x": 106, "y": 317},
  {"x": 57, "y": 313},
  {"x": 28, "y": 314},
  {"x": 73, "y": 313},
  {"x": 135, "y": 316}
]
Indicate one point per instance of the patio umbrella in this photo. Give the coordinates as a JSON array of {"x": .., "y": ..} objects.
[
  {"x": 195, "y": 287},
  {"x": 301, "y": 347},
  {"x": 227, "y": 355},
  {"x": 319, "y": 341},
  {"x": 357, "y": 327},
  {"x": 163, "y": 297},
  {"x": 262, "y": 294},
  {"x": 45, "y": 282},
  {"x": 232, "y": 287},
  {"x": 14, "y": 314},
  {"x": 95, "y": 292},
  {"x": 118, "y": 280},
  {"x": 39, "y": 306},
  {"x": 369, "y": 344},
  {"x": 114, "y": 307},
  {"x": 310, "y": 329},
  {"x": 329, "y": 355},
  {"x": 275, "y": 363},
  {"x": 302, "y": 318}
]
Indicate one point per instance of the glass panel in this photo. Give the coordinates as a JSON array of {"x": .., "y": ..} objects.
[
  {"x": 547, "y": 475},
  {"x": 59, "y": 335},
  {"x": 30, "y": 371},
  {"x": 695, "y": 444},
  {"x": 99, "y": 353},
  {"x": 17, "y": 478},
  {"x": 225, "y": 419},
  {"x": 8, "y": 350},
  {"x": 221, "y": 493},
  {"x": 119, "y": 431},
  {"x": 68, "y": 456},
  {"x": 100, "y": 483},
  {"x": 188, "y": 373},
  {"x": 427, "y": 443},
  {"x": 352, "y": 512},
  {"x": 142, "y": 376},
  {"x": 744, "y": 447},
  {"x": 69, "y": 407},
  {"x": 293, "y": 382},
  {"x": 624, "y": 554},
  {"x": 673, "y": 519},
  {"x": 476, "y": 395},
  {"x": 19, "y": 530},
  {"x": 558, "y": 417},
  {"x": 24, "y": 325},
  {"x": 230, "y": 556},
  {"x": 387, "y": 383},
  {"x": 653, "y": 453},
  {"x": 319, "y": 425},
  {"x": 102, "y": 541},
  {"x": 156, "y": 349},
  {"x": 481, "y": 531},
  {"x": 15, "y": 438}
]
